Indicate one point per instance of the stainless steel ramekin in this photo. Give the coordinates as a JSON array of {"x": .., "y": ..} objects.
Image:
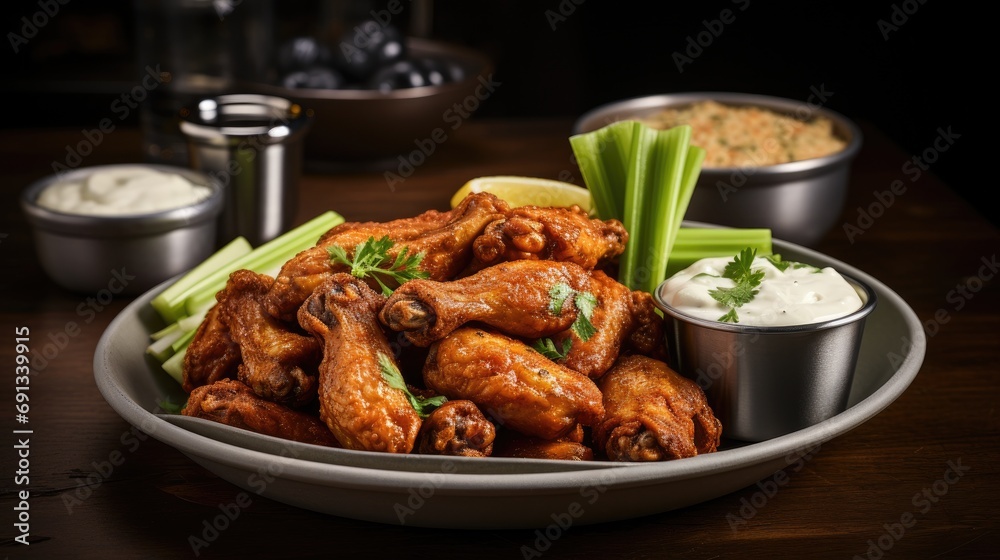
[
  {"x": 123, "y": 254},
  {"x": 764, "y": 382},
  {"x": 799, "y": 201}
]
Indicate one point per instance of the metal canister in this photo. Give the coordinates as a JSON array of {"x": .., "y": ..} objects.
[{"x": 251, "y": 144}]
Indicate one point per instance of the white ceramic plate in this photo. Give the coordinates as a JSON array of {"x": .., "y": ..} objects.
[{"x": 449, "y": 492}]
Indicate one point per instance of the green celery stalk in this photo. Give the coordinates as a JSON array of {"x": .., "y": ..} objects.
[
  {"x": 603, "y": 157},
  {"x": 165, "y": 302},
  {"x": 694, "y": 244},
  {"x": 174, "y": 365},
  {"x": 163, "y": 347},
  {"x": 668, "y": 193},
  {"x": 168, "y": 330},
  {"x": 263, "y": 258},
  {"x": 640, "y": 171}
]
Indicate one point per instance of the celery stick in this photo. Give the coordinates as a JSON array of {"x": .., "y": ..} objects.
[
  {"x": 169, "y": 329},
  {"x": 640, "y": 170},
  {"x": 231, "y": 251},
  {"x": 603, "y": 157},
  {"x": 175, "y": 365},
  {"x": 260, "y": 259},
  {"x": 183, "y": 341},
  {"x": 192, "y": 321},
  {"x": 671, "y": 152},
  {"x": 164, "y": 347},
  {"x": 694, "y": 244}
]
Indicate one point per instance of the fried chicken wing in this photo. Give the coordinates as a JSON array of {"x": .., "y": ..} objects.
[
  {"x": 212, "y": 355},
  {"x": 624, "y": 320},
  {"x": 445, "y": 238},
  {"x": 515, "y": 298},
  {"x": 231, "y": 402},
  {"x": 550, "y": 233},
  {"x": 457, "y": 428},
  {"x": 652, "y": 413},
  {"x": 512, "y": 383},
  {"x": 512, "y": 444},
  {"x": 278, "y": 363},
  {"x": 355, "y": 400},
  {"x": 647, "y": 337}
]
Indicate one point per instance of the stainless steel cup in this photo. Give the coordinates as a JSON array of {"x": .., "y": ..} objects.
[
  {"x": 765, "y": 382},
  {"x": 252, "y": 144}
]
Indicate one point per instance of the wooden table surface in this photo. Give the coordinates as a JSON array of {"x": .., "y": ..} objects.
[{"x": 919, "y": 480}]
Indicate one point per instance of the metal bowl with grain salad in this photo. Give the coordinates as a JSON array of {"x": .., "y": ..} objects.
[{"x": 770, "y": 162}]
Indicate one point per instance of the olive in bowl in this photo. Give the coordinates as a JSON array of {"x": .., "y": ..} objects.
[{"x": 142, "y": 224}]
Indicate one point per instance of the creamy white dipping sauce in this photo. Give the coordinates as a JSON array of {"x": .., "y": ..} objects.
[
  {"x": 122, "y": 191},
  {"x": 795, "y": 296}
]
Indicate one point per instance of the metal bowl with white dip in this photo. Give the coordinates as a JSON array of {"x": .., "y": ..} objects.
[
  {"x": 782, "y": 362},
  {"x": 128, "y": 226}
]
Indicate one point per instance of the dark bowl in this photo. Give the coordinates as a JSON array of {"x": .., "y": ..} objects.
[{"x": 366, "y": 124}]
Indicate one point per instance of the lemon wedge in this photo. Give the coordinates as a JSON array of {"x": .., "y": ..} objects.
[{"x": 524, "y": 191}]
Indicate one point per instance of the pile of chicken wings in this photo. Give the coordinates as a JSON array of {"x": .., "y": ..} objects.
[{"x": 306, "y": 355}]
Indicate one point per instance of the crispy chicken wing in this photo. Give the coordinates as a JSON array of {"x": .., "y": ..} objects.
[
  {"x": 624, "y": 321},
  {"x": 212, "y": 355},
  {"x": 231, "y": 402},
  {"x": 515, "y": 385},
  {"x": 445, "y": 238},
  {"x": 560, "y": 234},
  {"x": 457, "y": 428},
  {"x": 652, "y": 413},
  {"x": 513, "y": 444},
  {"x": 514, "y": 297},
  {"x": 279, "y": 364},
  {"x": 356, "y": 401}
]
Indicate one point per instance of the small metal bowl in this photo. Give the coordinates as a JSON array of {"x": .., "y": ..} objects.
[
  {"x": 126, "y": 254},
  {"x": 799, "y": 201},
  {"x": 764, "y": 382}
]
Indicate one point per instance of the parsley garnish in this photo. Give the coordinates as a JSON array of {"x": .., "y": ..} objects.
[
  {"x": 394, "y": 378},
  {"x": 370, "y": 258},
  {"x": 747, "y": 281},
  {"x": 585, "y": 303},
  {"x": 547, "y": 348}
]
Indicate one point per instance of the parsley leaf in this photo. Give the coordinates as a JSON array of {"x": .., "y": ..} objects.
[
  {"x": 394, "y": 378},
  {"x": 557, "y": 297},
  {"x": 747, "y": 281},
  {"x": 547, "y": 348},
  {"x": 370, "y": 259},
  {"x": 585, "y": 304}
]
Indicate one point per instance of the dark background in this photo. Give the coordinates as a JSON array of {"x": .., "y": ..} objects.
[{"x": 562, "y": 58}]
